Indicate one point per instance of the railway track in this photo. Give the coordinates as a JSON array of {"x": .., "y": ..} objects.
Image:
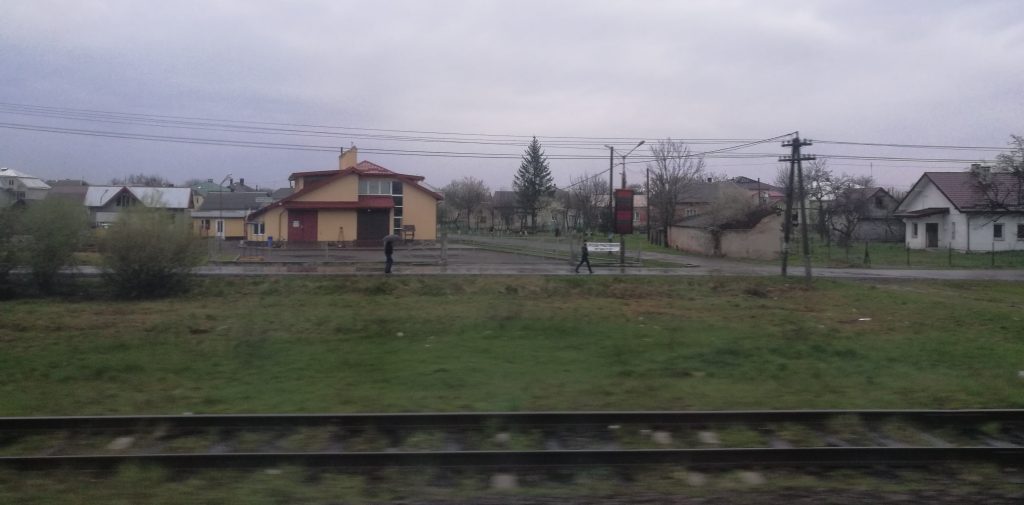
[{"x": 696, "y": 439}]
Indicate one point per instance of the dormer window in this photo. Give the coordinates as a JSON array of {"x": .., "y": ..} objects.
[{"x": 374, "y": 186}]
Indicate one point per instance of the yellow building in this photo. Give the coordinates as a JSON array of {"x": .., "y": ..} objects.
[{"x": 361, "y": 201}]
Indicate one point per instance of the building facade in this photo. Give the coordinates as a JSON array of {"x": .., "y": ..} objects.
[
  {"x": 358, "y": 202},
  {"x": 965, "y": 211}
]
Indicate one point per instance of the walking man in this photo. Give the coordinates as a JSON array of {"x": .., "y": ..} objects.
[
  {"x": 584, "y": 258},
  {"x": 389, "y": 249}
]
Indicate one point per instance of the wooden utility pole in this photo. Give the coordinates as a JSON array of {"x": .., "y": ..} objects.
[{"x": 796, "y": 168}]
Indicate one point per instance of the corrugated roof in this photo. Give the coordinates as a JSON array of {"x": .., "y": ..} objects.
[
  {"x": 235, "y": 201},
  {"x": 29, "y": 181}
]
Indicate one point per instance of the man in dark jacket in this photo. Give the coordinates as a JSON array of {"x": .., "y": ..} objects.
[
  {"x": 584, "y": 258},
  {"x": 389, "y": 249}
]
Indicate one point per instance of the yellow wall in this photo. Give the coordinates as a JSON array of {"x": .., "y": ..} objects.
[
  {"x": 328, "y": 221},
  {"x": 234, "y": 227},
  {"x": 420, "y": 209},
  {"x": 275, "y": 220},
  {"x": 345, "y": 189}
]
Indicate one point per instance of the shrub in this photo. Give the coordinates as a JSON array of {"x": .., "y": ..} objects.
[
  {"x": 8, "y": 250},
  {"x": 53, "y": 230},
  {"x": 149, "y": 253}
]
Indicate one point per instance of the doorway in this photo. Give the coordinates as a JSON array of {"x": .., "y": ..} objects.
[{"x": 931, "y": 234}]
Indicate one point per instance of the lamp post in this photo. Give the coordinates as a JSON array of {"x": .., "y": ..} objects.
[
  {"x": 624, "y": 162},
  {"x": 622, "y": 238},
  {"x": 611, "y": 189}
]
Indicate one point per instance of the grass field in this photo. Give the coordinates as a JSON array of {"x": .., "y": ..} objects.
[
  {"x": 516, "y": 343},
  {"x": 879, "y": 255}
]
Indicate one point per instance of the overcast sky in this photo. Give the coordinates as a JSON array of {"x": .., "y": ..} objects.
[{"x": 906, "y": 72}]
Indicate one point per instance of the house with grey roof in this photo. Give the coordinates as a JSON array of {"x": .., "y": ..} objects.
[
  {"x": 868, "y": 214},
  {"x": 105, "y": 203},
  {"x": 19, "y": 188},
  {"x": 223, "y": 214},
  {"x": 977, "y": 210}
]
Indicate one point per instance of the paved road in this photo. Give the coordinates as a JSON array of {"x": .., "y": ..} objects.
[{"x": 470, "y": 261}]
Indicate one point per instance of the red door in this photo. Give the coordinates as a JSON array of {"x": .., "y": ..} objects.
[{"x": 302, "y": 226}]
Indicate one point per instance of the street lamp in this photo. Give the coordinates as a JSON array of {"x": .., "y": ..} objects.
[{"x": 624, "y": 162}]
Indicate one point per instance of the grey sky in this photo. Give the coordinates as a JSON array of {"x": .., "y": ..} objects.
[{"x": 911, "y": 72}]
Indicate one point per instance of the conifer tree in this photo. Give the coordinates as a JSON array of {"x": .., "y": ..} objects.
[{"x": 533, "y": 181}]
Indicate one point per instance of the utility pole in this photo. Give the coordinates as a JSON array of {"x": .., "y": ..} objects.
[
  {"x": 647, "y": 201},
  {"x": 611, "y": 188},
  {"x": 796, "y": 168}
]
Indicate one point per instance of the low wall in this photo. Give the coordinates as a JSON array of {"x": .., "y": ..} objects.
[{"x": 763, "y": 241}]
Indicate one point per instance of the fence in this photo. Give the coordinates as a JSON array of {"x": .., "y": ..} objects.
[
  {"x": 546, "y": 246},
  {"x": 888, "y": 254}
]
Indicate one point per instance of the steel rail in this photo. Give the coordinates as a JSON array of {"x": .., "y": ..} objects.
[
  {"x": 817, "y": 456},
  {"x": 461, "y": 419}
]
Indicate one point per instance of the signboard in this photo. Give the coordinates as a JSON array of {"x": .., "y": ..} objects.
[
  {"x": 603, "y": 246},
  {"x": 624, "y": 211}
]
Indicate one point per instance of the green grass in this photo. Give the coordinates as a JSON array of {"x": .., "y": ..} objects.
[{"x": 516, "y": 343}]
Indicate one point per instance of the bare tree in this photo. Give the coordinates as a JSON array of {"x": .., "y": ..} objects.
[
  {"x": 818, "y": 189},
  {"x": 674, "y": 171},
  {"x": 1013, "y": 161},
  {"x": 586, "y": 199},
  {"x": 467, "y": 194},
  {"x": 849, "y": 205},
  {"x": 731, "y": 204},
  {"x": 148, "y": 180}
]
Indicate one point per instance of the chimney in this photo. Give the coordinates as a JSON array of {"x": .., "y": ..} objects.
[
  {"x": 982, "y": 172},
  {"x": 347, "y": 159}
]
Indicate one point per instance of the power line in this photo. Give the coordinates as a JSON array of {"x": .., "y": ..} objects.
[{"x": 93, "y": 113}]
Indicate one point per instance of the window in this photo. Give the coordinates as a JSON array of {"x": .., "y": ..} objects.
[
  {"x": 1020, "y": 232},
  {"x": 205, "y": 224},
  {"x": 691, "y": 212},
  {"x": 396, "y": 225},
  {"x": 913, "y": 230},
  {"x": 19, "y": 195},
  {"x": 220, "y": 227},
  {"x": 124, "y": 200},
  {"x": 879, "y": 202},
  {"x": 257, "y": 228},
  {"x": 396, "y": 188},
  {"x": 997, "y": 231},
  {"x": 370, "y": 186},
  {"x": 953, "y": 230}
]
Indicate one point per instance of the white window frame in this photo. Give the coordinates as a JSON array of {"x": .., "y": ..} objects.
[
  {"x": 913, "y": 230},
  {"x": 1002, "y": 232},
  {"x": 258, "y": 229},
  {"x": 220, "y": 227}
]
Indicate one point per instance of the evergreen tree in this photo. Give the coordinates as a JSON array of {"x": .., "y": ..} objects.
[{"x": 533, "y": 180}]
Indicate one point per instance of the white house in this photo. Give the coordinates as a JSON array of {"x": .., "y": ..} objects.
[
  {"x": 968, "y": 211},
  {"x": 19, "y": 187}
]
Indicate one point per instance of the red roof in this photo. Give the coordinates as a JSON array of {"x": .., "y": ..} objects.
[{"x": 363, "y": 168}]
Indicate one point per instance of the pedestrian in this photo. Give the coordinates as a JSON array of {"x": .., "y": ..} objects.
[
  {"x": 584, "y": 258},
  {"x": 389, "y": 249}
]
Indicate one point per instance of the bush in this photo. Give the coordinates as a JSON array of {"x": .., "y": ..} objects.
[
  {"x": 53, "y": 231},
  {"x": 149, "y": 253},
  {"x": 8, "y": 249}
]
